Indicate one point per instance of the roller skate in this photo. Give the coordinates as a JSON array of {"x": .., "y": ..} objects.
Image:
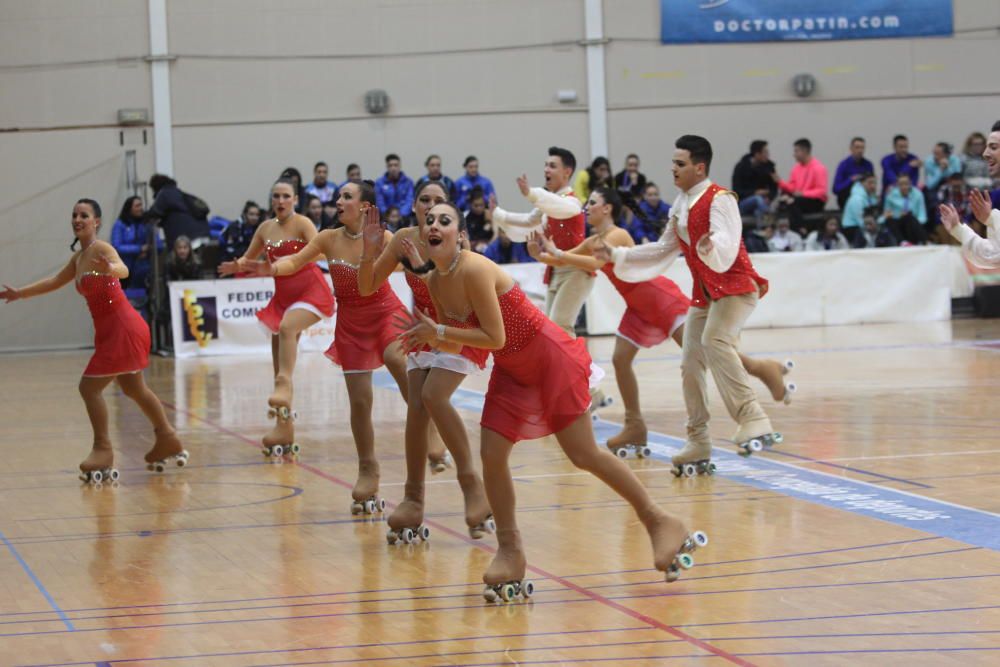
[
  {"x": 504, "y": 578},
  {"x": 630, "y": 440},
  {"x": 406, "y": 521},
  {"x": 281, "y": 440},
  {"x": 166, "y": 450},
  {"x": 665, "y": 532},
  {"x": 694, "y": 459},
  {"x": 757, "y": 444},
  {"x": 439, "y": 462},
  {"x": 772, "y": 373},
  {"x": 598, "y": 400},
  {"x": 478, "y": 516},
  {"x": 99, "y": 466},
  {"x": 365, "y": 492},
  {"x": 281, "y": 397}
]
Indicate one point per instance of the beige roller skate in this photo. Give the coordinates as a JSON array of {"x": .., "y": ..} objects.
[
  {"x": 478, "y": 515},
  {"x": 280, "y": 441},
  {"x": 406, "y": 523},
  {"x": 631, "y": 440},
  {"x": 166, "y": 449},
  {"x": 672, "y": 544},
  {"x": 598, "y": 400},
  {"x": 365, "y": 492},
  {"x": 694, "y": 459},
  {"x": 439, "y": 462},
  {"x": 99, "y": 466},
  {"x": 772, "y": 373},
  {"x": 281, "y": 397},
  {"x": 504, "y": 578}
]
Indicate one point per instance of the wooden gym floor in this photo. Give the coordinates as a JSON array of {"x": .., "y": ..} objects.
[{"x": 871, "y": 536}]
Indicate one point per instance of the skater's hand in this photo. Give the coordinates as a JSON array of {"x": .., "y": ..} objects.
[
  {"x": 535, "y": 245},
  {"x": 602, "y": 252},
  {"x": 10, "y": 294},
  {"x": 491, "y": 204},
  {"x": 979, "y": 201},
  {"x": 949, "y": 216},
  {"x": 522, "y": 184},
  {"x": 705, "y": 245},
  {"x": 373, "y": 232},
  {"x": 412, "y": 253},
  {"x": 104, "y": 263},
  {"x": 229, "y": 268},
  {"x": 420, "y": 329}
]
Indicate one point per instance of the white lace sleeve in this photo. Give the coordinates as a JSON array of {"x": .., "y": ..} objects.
[
  {"x": 984, "y": 253},
  {"x": 518, "y": 226}
]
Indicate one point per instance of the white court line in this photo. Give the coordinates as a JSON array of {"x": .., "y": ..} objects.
[
  {"x": 516, "y": 477},
  {"x": 908, "y": 456}
]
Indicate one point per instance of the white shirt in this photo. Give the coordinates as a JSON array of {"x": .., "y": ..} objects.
[
  {"x": 556, "y": 205},
  {"x": 984, "y": 253},
  {"x": 647, "y": 261}
]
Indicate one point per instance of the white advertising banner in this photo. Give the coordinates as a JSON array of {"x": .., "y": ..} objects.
[{"x": 210, "y": 317}]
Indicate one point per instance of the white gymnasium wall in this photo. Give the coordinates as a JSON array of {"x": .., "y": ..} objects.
[{"x": 259, "y": 85}]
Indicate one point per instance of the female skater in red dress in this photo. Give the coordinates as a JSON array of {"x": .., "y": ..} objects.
[
  {"x": 539, "y": 386},
  {"x": 121, "y": 345},
  {"x": 655, "y": 311},
  {"x": 299, "y": 301},
  {"x": 365, "y": 334},
  {"x": 433, "y": 375}
]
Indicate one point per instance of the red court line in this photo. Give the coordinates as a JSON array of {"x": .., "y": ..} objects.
[{"x": 597, "y": 597}]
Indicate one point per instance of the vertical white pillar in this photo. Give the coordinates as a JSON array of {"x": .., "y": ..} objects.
[
  {"x": 597, "y": 102},
  {"x": 160, "y": 72}
]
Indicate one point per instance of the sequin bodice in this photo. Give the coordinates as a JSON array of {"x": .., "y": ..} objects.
[
  {"x": 421, "y": 295},
  {"x": 345, "y": 285},
  {"x": 521, "y": 321},
  {"x": 103, "y": 293},
  {"x": 286, "y": 248}
]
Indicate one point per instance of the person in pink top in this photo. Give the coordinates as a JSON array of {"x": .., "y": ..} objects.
[{"x": 805, "y": 191}]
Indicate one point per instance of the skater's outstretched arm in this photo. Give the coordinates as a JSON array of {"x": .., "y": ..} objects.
[
  {"x": 379, "y": 258},
  {"x": 249, "y": 261},
  {"x": 984, "y": 253},
  {"x": 43, "y": 286},
  {"x": 647, "y": 261},
  {"x": 108, "y": 261},
  {"x": 320, "y": 245},
  {"x": 582, "y": 256}
]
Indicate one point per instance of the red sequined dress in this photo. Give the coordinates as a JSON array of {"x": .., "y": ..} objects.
[
  {"x": 654, "y": 308},
  {"x": 306, "y": 288},
  {"x": 422, "y": 302},
  {"x": 366, "y": 325},
  {"x": 540, "y": 379},
  {"x": 121, "y": 336}
]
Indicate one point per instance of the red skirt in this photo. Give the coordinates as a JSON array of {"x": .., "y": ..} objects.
[
  {"x": 121, "y": 343},
  {"x": 655, "y": 309},
  {"x": 307, "y": 289},
  {"x": 363, "y": 331},
  {"x": 540, "y": 389}
]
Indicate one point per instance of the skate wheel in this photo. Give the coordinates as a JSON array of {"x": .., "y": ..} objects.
[
  {"x": 295, "y": 414},
  {"x": 96, "y": 476},
  {"x": 159, "y": 467},
  {"x": 407, "y": 535},
  {"x": 789, "y": 365},
  {"x": 149, "y": 466},
  {"x": 700, "y": 538},
  {"x": 645, "y": 452},
  {"x": 182, "y": 459},
  {"x": 424, "y": 532},
  {"x": 711, "y": 468},
  {"x": 593, "y": 416},
  {"x": 508, "y": 592},
  {"x": 778, "y": 438},
  {"x": 294, "y": 449},
  {"x": 357, "y": 508},
  {"x": 491, "y": 525},
  {"x": 791, "y": 388},
  {"x": 685, "y": 561},
  {"x": 277, "y": 450},
  {"x": 113, "y": 475},
  {"x": 672, "y": 575},
  {"x": 527, "y": 589},
  {"x": 271, "y": 413},
  {"x": 606, "y": 401},
  {"x": 622, "y": 453},
  {"x": 391, "y": 537},
  {"x": 380, "y": 504},
  {"x": 689, "y": 470},
  {"x": 755, "y": 445},
  {"x": 489, "y": 594}
]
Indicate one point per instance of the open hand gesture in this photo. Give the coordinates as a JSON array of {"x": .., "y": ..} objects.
[
  {"x": 373, "y": 232},
  {"x": 523, "y": 185},
  {"x": 949, "y": 216},
  {"x": 420, "y": 330},
  {"x": 602, "y": 251},
  {"x": 412, "y": 253},
  {"x": 9, "y": 294},
  {"x": 979, "y": 201}
]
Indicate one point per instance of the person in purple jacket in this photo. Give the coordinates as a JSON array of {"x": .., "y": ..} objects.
[
  {"x": 850, "y": 170},
  {"x": 900, "y": 161}
]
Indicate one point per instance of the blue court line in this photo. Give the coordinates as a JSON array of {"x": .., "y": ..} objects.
[
  {"x": 902, "y": 508},
  {"x": 38, "y": 583}
]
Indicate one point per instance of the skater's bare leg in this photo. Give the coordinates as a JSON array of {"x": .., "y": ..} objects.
[
  {"x": 167, "y": 443},
  {"x": 510, "y": 563},
  {"x": 359, "y": 393},
  {"x": 292, "y": 325},
  {"x": 91, "y": 389},
  {"x": 634, "y": 431}
]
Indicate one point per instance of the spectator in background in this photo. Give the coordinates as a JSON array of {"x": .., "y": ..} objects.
[
  {"x": 906, "y": 212},
  {"x": 313, "y": 209},
  {"x": 471, "y": 180},
  {"x": 851, "y": 170},
  {"x": 975, "y": 171},
  {"x": 394, "y": 188},
  {"x": 172, "y": 209},
  {"x": 235, "y": 238},
  {"x": 805, "y": 190},
  {"x": 900, "y": 161},
  {"x": 752, "y": 180},
  {"x": 630, "y": 179},
  {"x": 353, "y": 174},
  {"x": 330, "y": 216},
  {"x": 321, "y": 187},
  {"x": 829, "y": 238},
  {"x": 598, "y": 174},
  {"x": 181, "y": 262},
  {"x": 955, "y": 193},
  {"x": 655, "y": 212},
  {"x": 756, "y": 240},
  {"x": 292, "y": 174},
  {"x": 479, "y": 220},
  {"x": 504, "y": 251},
  {"x": 783, "y": 239},
  {"x": 874, "y": 235},
  {"x": 392, "y": 219},
  {"x": 130, "y": 237},
  {"x": 434, "y": 175},
  {"x": 939, "y": 165},
  {"x": 864, "y": 197}
]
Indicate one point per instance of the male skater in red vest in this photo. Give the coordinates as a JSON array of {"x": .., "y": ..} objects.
[{"x": 706, "y": 227}]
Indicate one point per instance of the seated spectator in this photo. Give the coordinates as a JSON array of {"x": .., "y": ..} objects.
[
  {"x": 353, "y": 174},
  {"x": 850, "y": 170},
  {"x": 330, "y": 215},
  {"x": 130, "y": 237},
  {"x": 648, "y": 226},
  {"x": 939, "y": 166},
  {"x": 829, "y": 238},
  {"x": 630, "y": 179},
  {"x": 392, "y": 219},
  {"x": 863, "y": 198},
  {"x": 955, "y": 193},
  {"x": 905, "y": 212},
  {"x": 783, "y": 239},
  {"x": 901, "y": 161},
  {"x": 320, "y": 186},
  {"x": 874, "y": 235},
  {"x": 434, "y": 175},
  {"x": 503, "y": 251},
  {"x": 756, "y": 240},
  {"x": 805, "y": 190},
  {"x": 394, "y": 188},
  {"x": 752, "y": 181},
  {"x": 235, "y": 238},
  {"x": 172, "y": 209},
  {"x": 181, "y": 262},
  {"x": 471, "y": 180},
  {"x": 479, "y": 220},
  {"x": 293, "y": 174},
  {"x": 975, "y": 171},
  {"x": 594, "y": 176},
  {"x": 313, "y": 209}
]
